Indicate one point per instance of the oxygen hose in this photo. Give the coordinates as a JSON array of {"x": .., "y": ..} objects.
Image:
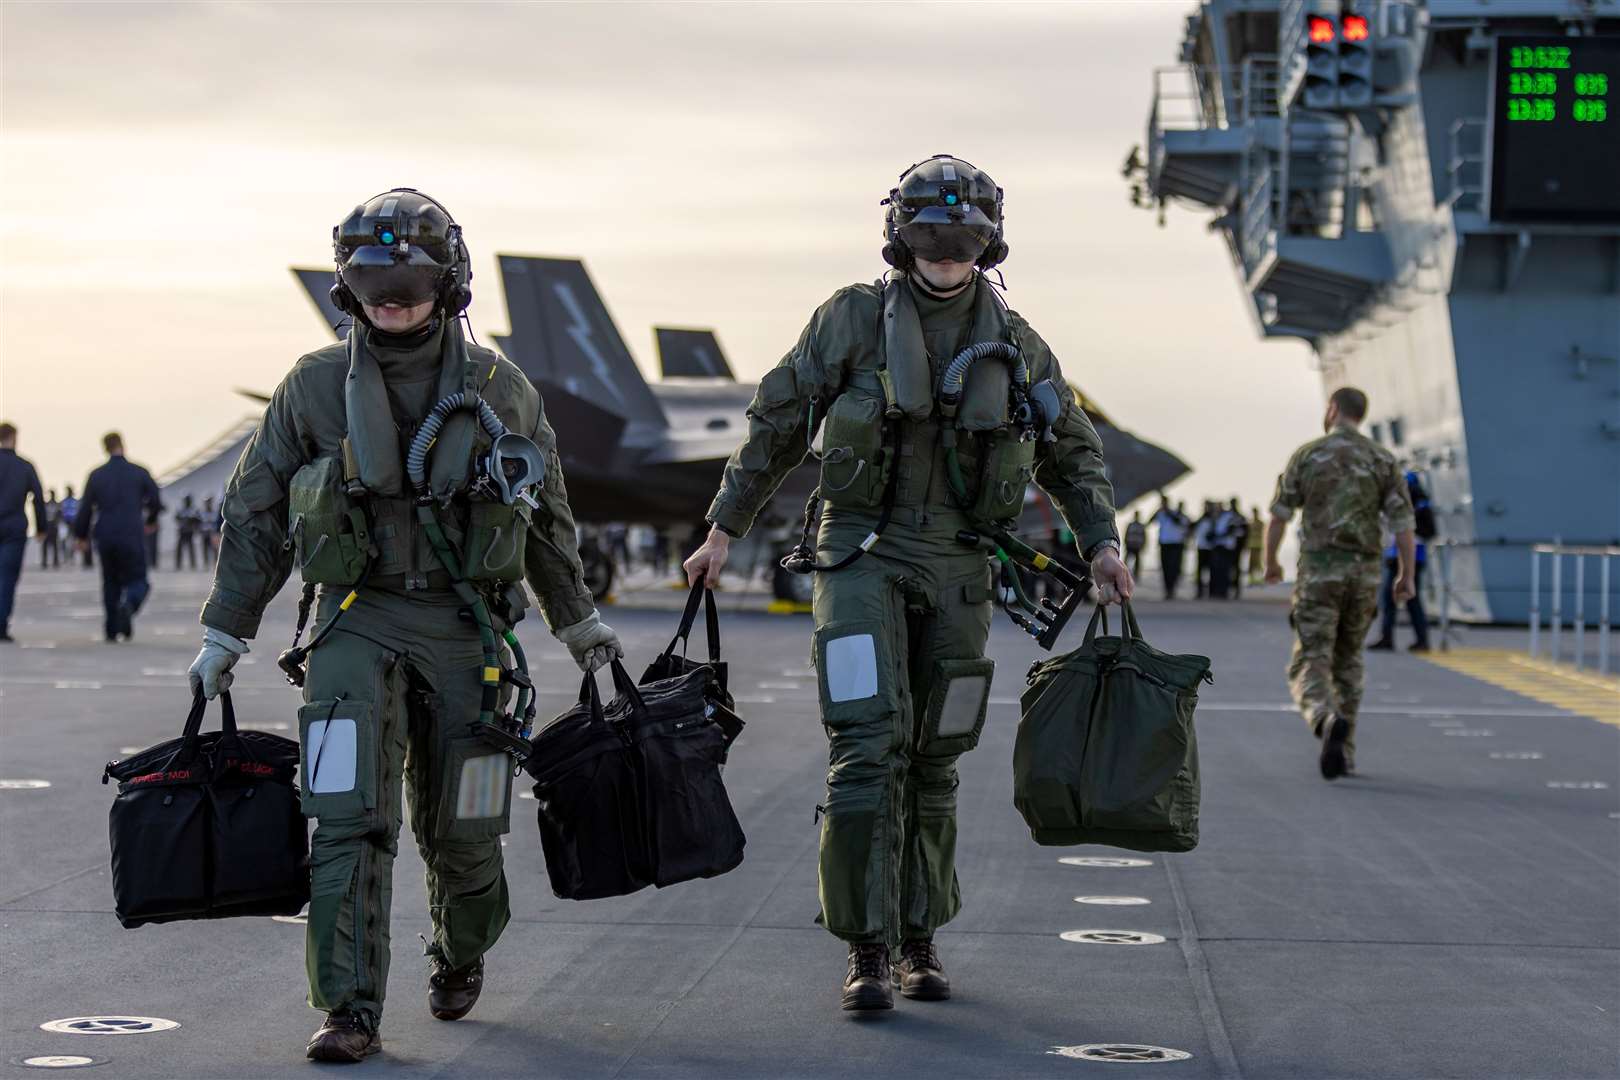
[
  {"x": 427, "y": 515},
  {"x": 950, "y": 399}
]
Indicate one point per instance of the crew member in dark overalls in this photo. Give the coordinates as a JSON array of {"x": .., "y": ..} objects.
[{"x": 118, "y": 500}]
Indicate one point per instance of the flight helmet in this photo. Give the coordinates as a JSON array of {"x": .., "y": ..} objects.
[
  {"x": 401, "y": 246},
  {"x": 943, "y": 208}
]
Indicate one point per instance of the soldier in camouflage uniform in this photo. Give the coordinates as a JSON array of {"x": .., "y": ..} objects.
[
  {"x": 1342, "y": 483},
  {"x": 900, "y": 632}
]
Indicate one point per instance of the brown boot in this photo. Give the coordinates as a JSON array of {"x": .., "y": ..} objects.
[
  {"x": 867, "y": 984},
  {"x": 452, "y": 992},
  {"x": 346, "y": 1037},
  {"x": 919, "y": 974}
]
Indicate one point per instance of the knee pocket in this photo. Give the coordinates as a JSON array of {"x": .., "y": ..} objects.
[
  {"x": 958, "y": 700},
  {"x": 856, "y": 675}
]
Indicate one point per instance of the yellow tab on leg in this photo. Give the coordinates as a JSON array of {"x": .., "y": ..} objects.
[
  {"x": 492, "y": 674},
  {"x": 348, "y": 600}
]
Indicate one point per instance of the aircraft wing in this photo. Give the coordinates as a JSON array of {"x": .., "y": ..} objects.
[{"x": 318, "y": 286}]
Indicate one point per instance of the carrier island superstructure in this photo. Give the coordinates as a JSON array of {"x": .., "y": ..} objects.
[{"x": 1429, "y": 195}]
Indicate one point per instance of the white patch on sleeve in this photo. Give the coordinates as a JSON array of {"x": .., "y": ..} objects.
[
  {"x": 851, "y": 668},
  {"x": 331, "y": 755},
  {"x": 963, "y": 700},
  {"x": 482, "y": 791}
]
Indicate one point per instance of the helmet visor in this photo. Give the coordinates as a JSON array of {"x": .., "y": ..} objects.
[
  {"x": 378, "y": 275},
  {"x": 947, "y": 243}
]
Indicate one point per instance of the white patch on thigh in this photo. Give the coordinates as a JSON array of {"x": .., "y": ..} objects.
[{"x": 851, "y": 668}]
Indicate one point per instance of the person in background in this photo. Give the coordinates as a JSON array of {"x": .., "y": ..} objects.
[
  {"x": 212, "y": 521},
  {"x": 188, "y": 523},
  {"x": 1173, "y": 526},
  {"x": 149, "y": 535},
  {"x": 18, "y": 481},
  {"x": 1423, "y": 515},
  {"x": 1342, "y": 483},
  {"x": 70, "y": 514},
  {"x": 1239, "y": 537},
  {"x": 1135, "y": 541},
  {"x": 119, "y": 499},
  {"x": 1256, "y": 543},
  {"x": 1204, "y": 542},
  {"x": 50, "y": 535}
]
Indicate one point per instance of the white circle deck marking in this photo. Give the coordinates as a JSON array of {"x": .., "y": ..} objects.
[
  {"x": 1445, "y": 723},
  {"x": 1468, "y": 732},
  {"x": 1113, "y": 901},
  {"x": 1517, "y": 755},
  {"x": 23, "y": 785},
  {"x": 1102, "y": 860},
  {"x": 300, "y": 919},
  {"x": 59, "y": 1061},
  {"x": 109, "y": 1025},
  {"x": 1579, "y": 785},
  {"x": 1111, "y": 937},
  {"x": 1125, "y": 1053}
]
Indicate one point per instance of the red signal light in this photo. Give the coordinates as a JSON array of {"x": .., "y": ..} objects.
[
  {"x": 1355, "y": 28},
  {"x": 1319, "y": 30}
]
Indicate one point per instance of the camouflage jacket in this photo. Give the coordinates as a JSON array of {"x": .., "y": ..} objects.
[
  {"x": 306, "y": 420},
  {"x": 843, "y": 337},
  {"x": 1342, "y": 483}
]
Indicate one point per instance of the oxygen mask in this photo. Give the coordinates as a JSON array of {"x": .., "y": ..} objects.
[{"x": 513, "y": 469}]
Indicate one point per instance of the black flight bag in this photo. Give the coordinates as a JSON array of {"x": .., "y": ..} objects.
[
  {"x": 207, "y": 826},
  {"x": 667, "y": 665},
  {"x": 629, "y": 793}
]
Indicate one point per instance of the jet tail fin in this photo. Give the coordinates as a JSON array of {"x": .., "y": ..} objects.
[
  {"x": 318, "y": 284},
  {"x": 563, "y": 335},
  {"x": 691, "y": 353}
]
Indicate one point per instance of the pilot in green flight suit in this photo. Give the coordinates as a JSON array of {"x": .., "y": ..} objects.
[
  {"x": 900, "y": 631},
  {"x": 392, "y": 690}
]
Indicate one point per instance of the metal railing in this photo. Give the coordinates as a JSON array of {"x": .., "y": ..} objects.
[
  {"x": 1558, "y": 552},
  {"x": 1192, "y": 97},
  {"x": 1465, "y": 164}
]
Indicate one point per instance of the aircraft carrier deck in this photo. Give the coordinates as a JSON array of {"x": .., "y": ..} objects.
[{"x": 1452, "y": 912}]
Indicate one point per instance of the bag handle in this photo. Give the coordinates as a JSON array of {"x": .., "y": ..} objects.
[
  {"x": 590, "y": 695},
  {"x": 192, "y": 734},
  {"x": 1132, "y": 629},
  {"x": 711, "y": 618},
  {"x": 626, "y": 686},
  {"x": 1101, "y": 612}
]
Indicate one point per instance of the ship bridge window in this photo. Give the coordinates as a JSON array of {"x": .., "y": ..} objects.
[
  {"x": 1397, "y": 437},
  {"x": 1376, "y": 431},
  {"x": 719, "y": 423}
]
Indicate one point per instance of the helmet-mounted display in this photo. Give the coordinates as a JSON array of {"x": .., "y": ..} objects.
[
  {"x": 400, "y": 247},
  {"x": 944, "y": 209}
]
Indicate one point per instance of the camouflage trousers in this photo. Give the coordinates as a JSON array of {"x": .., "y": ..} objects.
[{"x": 1335, "y": 600}]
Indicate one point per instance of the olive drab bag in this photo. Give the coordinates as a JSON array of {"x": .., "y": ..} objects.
[
  {"x": 629, "y": 793},
  {"x": 1106, "y": 752},
  {"x": 207, "y": 826}
]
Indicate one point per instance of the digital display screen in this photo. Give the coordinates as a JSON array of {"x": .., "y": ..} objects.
[{"x": 1555, "y": 129}]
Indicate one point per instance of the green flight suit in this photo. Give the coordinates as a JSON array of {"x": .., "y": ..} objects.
[
  {"x": 1343, "y": 484},
  {"x": 390, "y": 694},
  {"x": 900, "y": 634}
]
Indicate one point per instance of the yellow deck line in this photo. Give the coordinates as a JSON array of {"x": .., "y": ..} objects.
[{"x": 1584, "y": 693}]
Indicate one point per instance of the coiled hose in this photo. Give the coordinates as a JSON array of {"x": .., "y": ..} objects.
[
  {"x": 416, "y": 456},
  {"x": 951, "y": 383}
]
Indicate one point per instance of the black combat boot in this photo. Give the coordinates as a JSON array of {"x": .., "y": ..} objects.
[
  {"x": 347, "y": 1036},
  {"x": 1334, "y": 730},
  {"x": 452, "y": 992},
  {"x": 867, "y": 984},
  {"x": 919, "y": 974}
]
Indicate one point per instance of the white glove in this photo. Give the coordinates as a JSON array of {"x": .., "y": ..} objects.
[
  {"x": 591, "y": 641},
  {"x": 212, "y": 669}
]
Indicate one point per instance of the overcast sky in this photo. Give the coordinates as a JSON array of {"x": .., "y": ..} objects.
[{"x": 719, "y": 165}]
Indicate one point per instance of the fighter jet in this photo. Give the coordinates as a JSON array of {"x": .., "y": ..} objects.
[{"x": 652, "y": 453}]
